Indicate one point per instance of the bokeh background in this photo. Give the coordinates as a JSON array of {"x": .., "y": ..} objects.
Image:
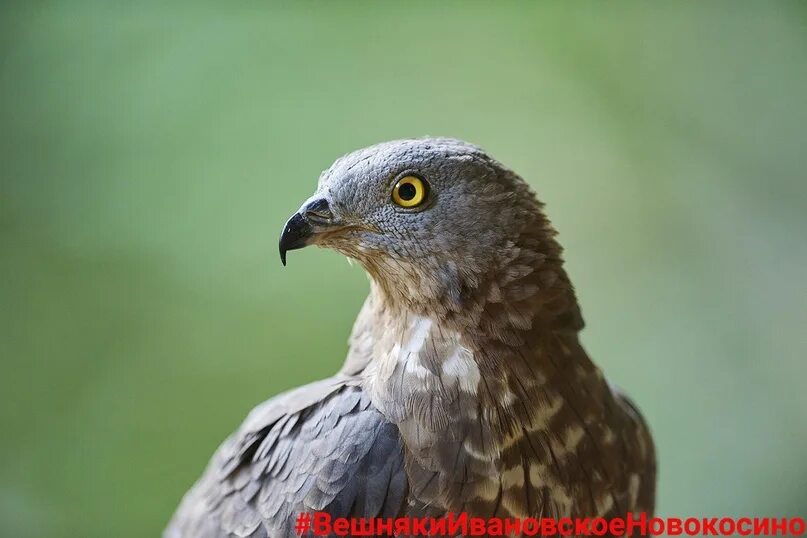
[{"x": 149, "y": 156}]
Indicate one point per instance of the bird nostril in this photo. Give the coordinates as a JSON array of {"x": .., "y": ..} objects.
[{"x": 318, "y": 210}]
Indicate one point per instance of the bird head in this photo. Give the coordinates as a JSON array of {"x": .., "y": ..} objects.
[{"x": 431, "y": 220}]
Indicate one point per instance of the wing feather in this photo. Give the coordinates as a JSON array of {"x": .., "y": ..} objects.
[{"x": 320, "y": 447}]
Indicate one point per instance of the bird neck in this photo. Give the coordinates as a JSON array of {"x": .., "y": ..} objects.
[
  {"x": 522, "y": 292},
  {"x": 520, "y": 321}
]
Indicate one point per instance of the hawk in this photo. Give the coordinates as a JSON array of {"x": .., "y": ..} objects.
[{"x": 465, "y": 387}]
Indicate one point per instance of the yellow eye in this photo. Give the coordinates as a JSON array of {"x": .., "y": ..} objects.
[{"x": 410, "y": 191}]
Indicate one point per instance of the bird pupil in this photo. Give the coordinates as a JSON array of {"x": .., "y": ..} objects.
[{"x": 407, "y": 191}]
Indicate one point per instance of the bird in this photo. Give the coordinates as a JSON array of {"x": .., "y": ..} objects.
[{"x": 465, "y": 387}]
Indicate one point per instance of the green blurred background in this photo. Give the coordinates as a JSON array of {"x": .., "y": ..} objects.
[{"x": 149, "y": 157}]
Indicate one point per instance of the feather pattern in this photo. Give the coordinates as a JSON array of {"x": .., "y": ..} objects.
[{"x": 321, "y": 447}]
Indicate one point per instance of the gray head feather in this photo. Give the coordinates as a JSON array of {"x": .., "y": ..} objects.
[{"x": 443, "y": 249}]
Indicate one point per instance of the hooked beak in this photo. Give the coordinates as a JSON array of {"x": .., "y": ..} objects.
[
  {"x": 313, "y": 217},
  {"x": 294, "y": 236}
]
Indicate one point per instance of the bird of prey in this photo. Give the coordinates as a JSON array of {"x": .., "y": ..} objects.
[{"x": 465, "y": 387}]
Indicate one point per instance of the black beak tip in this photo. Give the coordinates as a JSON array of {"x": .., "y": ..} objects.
[{"x": 295, "y": 235}]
